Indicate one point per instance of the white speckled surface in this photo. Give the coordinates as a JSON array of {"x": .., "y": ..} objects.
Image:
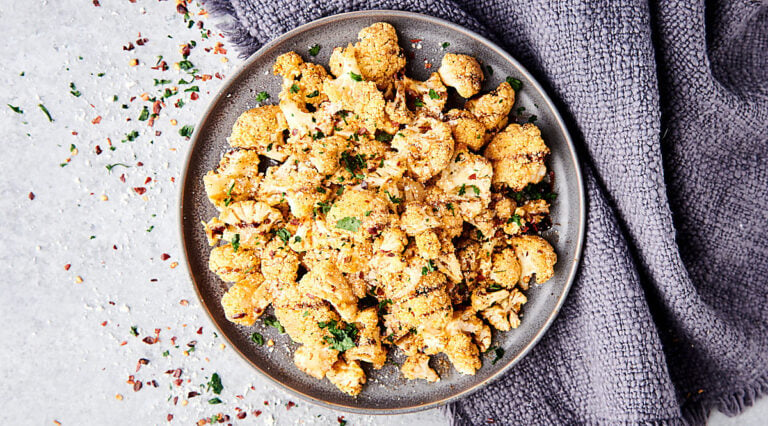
[{"x": 62, "y": 356}]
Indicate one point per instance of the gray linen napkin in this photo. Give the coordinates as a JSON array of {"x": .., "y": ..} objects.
[{"x": 668, "y": 102}]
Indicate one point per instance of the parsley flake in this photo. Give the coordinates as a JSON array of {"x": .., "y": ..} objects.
[
  {"x": 342, "y": 338},
  {"x": 356, "y": 77},
  {"x": 515, "y": 83},
  {"x": 15, "y": 109},
  {"x": 257, "y": 338},
  {"x": 235, "y": 242},
  {"x": 262, "y": 96},
  {"x": 273, "y": 322},
  {"x": 349, "y": 223},
  {"x": 314, "y": 50},
  {"x": 187, "y": 130}
]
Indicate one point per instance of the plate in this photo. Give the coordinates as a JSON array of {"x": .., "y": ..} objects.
[{"x": 386, "y": 392}]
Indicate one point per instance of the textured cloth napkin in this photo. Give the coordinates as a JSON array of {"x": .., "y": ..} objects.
[{"x": 668, "y": 104}]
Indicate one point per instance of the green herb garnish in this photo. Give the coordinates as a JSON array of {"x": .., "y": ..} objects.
[
  {"x": 314, "y": 50},
  {"x": 144, "y": 114},
  {"x": 262, "y": 96},
  {"x": 15, "y": 109},
  {"x": 76, "y": 93},
  {"x": 515, "y": 83},
  {"x": 283, "y": 234},
  {"x": 45, "y": 111},
  {"x": 273, "y": 322},
  {"x": 349, "y": 223},
  {"x": 257, "y": 338},
  {"x": 356, "y": 77},
  {"x": 187, "y": 130},
  {"x": 342, "y": 338},
  {"x": 235, "y": 242}
]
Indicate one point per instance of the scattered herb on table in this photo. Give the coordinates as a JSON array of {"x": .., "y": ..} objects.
[
  {"x": 45, "y": 111},
  {"x": 314, "y": 50},
  {"x": 15, "y": 109},
  {"x": 214, "y": 384},
  {"x": 187, "y": 130},
  {"x": 76, "y": 93}
]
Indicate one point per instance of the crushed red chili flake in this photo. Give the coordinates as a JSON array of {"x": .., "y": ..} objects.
[
  {"x": 129, "y": 47},
  {"x": 175, "y": 400},
  {"x": 122, "y": 178},
  {"x": 142, "y": 361},
  {"x": 178, "y": 382},
  {"x": 31, "y": 196},
  {"x": 341, "y": 420},
  {"x": 147, "y": 180},
  {"x": 142, "y": 41},
  {"x": 139, "y": 164},
  {"x": 169, "y": 417},
  {"x": 194, "y": 96},
  {"x": 184, "y": 302},
  {"x": 96, "y": 120},
  {"x": 200, "y": 330},
  {"x": 137, "y": 386},
  {"x": 415, "y": 40},
  {"x": 98, "y": 150},
  {"x": 96, "y": 3},
  {"x": 290, "y": 405},
  {"x": 74, "y": 133},
  {"x": 241, "y": 415},
  {"x": 104, "y": 324},
  {"x": 123, "y": 343},
  {"x": 181, "y": 8},
  {"x": 257, "y": 413},
  {"x": 149, "y": 340},
  {"x": 192, "y": 394},
  {"x": 67, "y": 266},
  {"x": 153, "y": 280},
  {"x": 154, "y": 383},
  {"x": 140, "y": 190}
]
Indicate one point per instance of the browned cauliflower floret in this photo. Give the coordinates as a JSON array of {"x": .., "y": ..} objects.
[
  {"x": 368, "y": 346},
  {"x": 518, "y": 155},
  {"x": 463, "y": 354},
  {"x": 537, "y": 257},
  {"x": 378, "y": 54},
  {"x": 350, "y": 92},
  {"x": 360, "y": 214},
  {"x": 295, "y": 183},
  {"x": 467, "y": 129},
  {"x": 348, "y": 376},
  {"x": 279, "y": 262},
  {"x": 463, "y": 73},
  {"x": 418, "y": 217},
  {"x": 467, "y": 179},
  {"x": 325, "y": 281},
  {"x": 492, "y": 109},
  {"x": 236, "y": 179},
  {"x": 466, "y": 321},
  {"x": 424, "y": 305},
  {"x": 246, "y": 224},
  {"x": 261, "y": 128},
  {"x": 427, "y": 96},
  {"x": 428, "y": 245},
  {"x": 506, "y": 269},
  {"x": 503, "y": 313},
  {"x": 323, "y": 153},
  {"x": 302, "y": 81},
  {"x": 397, "y": 108},
  {"x": 301, "y": 314},
  {"x": 246, "y": 300},
  {"x": 315, "y": 360},
  {"x": 429, "y": 146},
  {"x": 417, "y": 367},
  {"x": 231, "y": 265}
]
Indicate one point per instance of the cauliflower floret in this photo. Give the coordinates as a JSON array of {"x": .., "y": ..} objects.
[
  {"x": 417, "y": 367},
  {"x": 350, "y": 92},
  {"x": 425, "y": 305},
  {"x": 368, "y": 347},
  {"x": 463, "y": 73},
  {"x": 302, "y": 81},
  {"x": 315, "y": 360},
  {"x": 246, "y": 300},
  {"x": 467, "y": 178},
  {"x": 492, "y": 109},
  {"x": 295, "y": 182},
  {"x": 417, "y": 218},
  {"x": 467, "y": 129},
  {"x": 428, "y": 245},
  {"x": 397, "y": 108},
  {"x": 245, "y": 223},
  {"x": 503, "y": 314},
  {"x": 360, "y": 214},
  {"x": 261, "y": 129},
  {"x": 235, "y": 179},
  {"x": 231, "y": 265},
  {"x": 390, "y": 170},
  {"x": 482, "y": 298},
  {"x": 300, "y": 314},
  {"x": 429, "y": 146},
  {"x": 430, "y": 95},
  {"x": 279, "y": 262},
  {"x": 537, "y": 257},
  {"x": 466, "y": 321},
  {"x": 348, "y": 376},
  {"x": 325, "y": 281},
  {"x": 463, "y": 354},
  {"x": 446, "y": 261},
  {"x": 378, "y": 54},
  {"x": 506, "y": 268},
  {"x": 323, "y": 153},
  {"x": 518, "y": 155}
]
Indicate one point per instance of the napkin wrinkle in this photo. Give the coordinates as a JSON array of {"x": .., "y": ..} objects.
[{"x": 667, "y": 102}]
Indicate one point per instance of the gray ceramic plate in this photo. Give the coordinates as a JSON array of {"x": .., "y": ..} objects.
[{"x": 386, "y": 391}]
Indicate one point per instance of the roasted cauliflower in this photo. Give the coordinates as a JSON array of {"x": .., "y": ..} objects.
[{"x": 463, "y": 73}]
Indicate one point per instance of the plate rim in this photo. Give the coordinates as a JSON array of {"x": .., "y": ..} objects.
[{"x": 558, "y": 120}]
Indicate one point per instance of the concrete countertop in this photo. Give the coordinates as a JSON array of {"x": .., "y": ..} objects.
[{"x": 84, "y": 248}]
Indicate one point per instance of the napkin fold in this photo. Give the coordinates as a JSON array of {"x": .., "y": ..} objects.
[{"x": 668, "y": 105}]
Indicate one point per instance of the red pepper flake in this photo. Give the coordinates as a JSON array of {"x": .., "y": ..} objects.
[
  {"x": 181, "y": 8},
  {"x": 169, "y": 417},
  {"x": 147, "y": 180},
  {"x": 154, "y": 383},
  {"x": 142, "y": 41},
  {"x": 173, "y": 179},
  {"x": 192, "y": 394},
  {"x": 206, "y": 77},
  {"x": 473, "y": 176},
  {"x": 123, "y": 343},
  {"x": 200, "y": 330},
  {"x": 194, "y": 96},
  {"x": 184, "y": 302},
  {"x": 153, "y": 280},
  {"x": 139, "y": 164},
  {"x": 290, "y": 405},
  {"x": 427, "y": 65},
  {"x": 122, "y": 178},
  {"x": 177, "y": 373},
  {"x": 31, "y": 196},
  {"x": 140, "y": 190},
  {"x": 178, "y": 382},
  {"x": 173, "y": 341},
  {"x": 74, "y": 133},
  {"x": 156, "y": 107},
  {"x": 137, "y": 386},
  {"x": 96, "y": 3},
  {"x": 142, "y": 361},
  {"x": 104, "y": 324},
  {"x": 96, "y": 120},
  {"x": 257, "y": 413},
  {"x": 241, "y": 415},
  {"x": 341, "y": 420},
  {"x": 219, "y": 49},
  {"x": 67, "y": 266},
  {"x": 149, "y": 340},
  {"x": 175, "y": 400},
  {"x": 98, "y": 150},
  {"x": 415, "y": 40},
  {"x": 219, "y": 76},
  {"x": 239, "y": 397}
]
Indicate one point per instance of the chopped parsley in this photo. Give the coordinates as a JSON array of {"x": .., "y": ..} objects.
[
  {"x": 283, "y": 234},
  {"x": 532, "y": 118},
  {"x": 15, "y": 109},
  {"x": 324, "y": 207},
  {"x": 257, "y": 338},
  {"x": 192, "y": 89},
  {"x": 418, "y": 103},
  {"x": 214, "y": 401},
  {"x": 356, "y": 77},
  {"x": 214, "y": 384},
  {"x": 445, "y": 45},
  {"x": 314, "y": 94},
  {"x": 76, "y": 93},
  {"x": 164, "y": 82},
  {"x": 499, "y": 355},
  {"x": 353, "y": 164},
  {"x": 134, "y": 331},
  {"x": 489, "y": 69},
  {"x": 130, "y": 136},
  {"x": 235, "y": 242},
  {"x": 112, "y": 166},
  {"x": 427, "y": 269},
  {"x": 516, "y": 219},
  {"x": 433, "y": 94},
  {"x": 294, "y": 88},
  {"x": 228, "y": 200},
  {"x": 392, "y": 198},
  {"x": 186, "y": 65},
  {"x": 273, "y": 322},
  {"x": 515, "y": 83},
  {"x": 262, "y": 96},
  {"x": 314, "y": 50},
  {"x": 383, "y": 304},
  {"x": 45, "y": 111},
  {"x": 349, "y": 223},
  {"x": 384, "y": 137},
  {"x": 342, "y": 338},
  {"x": 493, "y": 288},
  {"x": 187, "y": 130},
  {"x": 463, "y": 189},
  {"x": 144, "y": 115}
]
